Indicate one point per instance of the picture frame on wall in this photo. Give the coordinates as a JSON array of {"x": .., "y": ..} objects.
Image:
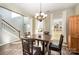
[{"x": 58, "y": 26}]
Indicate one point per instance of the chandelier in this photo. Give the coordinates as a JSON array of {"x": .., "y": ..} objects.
[{"x": 40, "y": 16}]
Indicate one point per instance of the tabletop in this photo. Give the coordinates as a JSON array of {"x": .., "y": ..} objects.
[{"x": 41, "y": 37}]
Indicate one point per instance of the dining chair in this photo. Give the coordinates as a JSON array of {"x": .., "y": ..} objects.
[
  {"x": 46, "y": 32},
  {"x": 56, "y": 47},
  {"x": 29, "y": 48}
]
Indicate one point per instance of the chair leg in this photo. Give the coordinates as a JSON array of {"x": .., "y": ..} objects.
[
  {"x": 49, "y": 52},
  {"x": 24, "y": 53},
  {"x": 60, "y": 52}
]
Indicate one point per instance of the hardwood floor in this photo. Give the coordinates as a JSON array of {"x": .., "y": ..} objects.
[{"x": 15, "y": 48}]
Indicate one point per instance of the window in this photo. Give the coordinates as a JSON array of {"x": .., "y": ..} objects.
[
  {"x": 28, "y": 24},
  {"x": 39, "y": 27}
]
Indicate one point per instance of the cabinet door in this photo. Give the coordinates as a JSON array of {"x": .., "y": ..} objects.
[
  {"x": 73, "y": 44},
  {"x": 78, "y": 25},
  {"x": 73, "y": 24},
  {"x": 78, "y": 46},
  {"x": 73, "y": 30},
  {"x": 70, "y": 22}
]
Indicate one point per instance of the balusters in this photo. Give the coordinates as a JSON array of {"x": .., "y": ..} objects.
[{"x": 9, "y": 28}]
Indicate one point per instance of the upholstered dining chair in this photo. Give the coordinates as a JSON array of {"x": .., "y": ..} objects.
[{"x": 56, "y": 47}]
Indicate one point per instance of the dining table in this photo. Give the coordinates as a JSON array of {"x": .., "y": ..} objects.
[{"x": 45, "y": 39}]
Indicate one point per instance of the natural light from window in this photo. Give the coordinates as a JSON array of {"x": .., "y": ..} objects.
[
  {"x": 39, "y": 27},
  {"x": 15, "y": 15}
]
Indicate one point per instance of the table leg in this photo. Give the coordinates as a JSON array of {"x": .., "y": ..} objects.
[
  {"x": 49, "y": 52},
  {"x": 38, "y": 43},
  {"x": 43, "y": 47}
]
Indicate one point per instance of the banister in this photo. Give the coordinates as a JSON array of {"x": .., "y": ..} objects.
[{"x": 12, "y": 26}]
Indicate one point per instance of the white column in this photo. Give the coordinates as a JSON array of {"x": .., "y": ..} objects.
[
  {"x": 64, "y": 16},
  {"x": 51, "y": 21}
]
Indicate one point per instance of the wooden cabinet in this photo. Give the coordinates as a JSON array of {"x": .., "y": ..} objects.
[{"x": 73, "y": 34}]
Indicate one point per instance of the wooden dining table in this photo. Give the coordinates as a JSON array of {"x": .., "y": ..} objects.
[{"x": 45, "y": 39}]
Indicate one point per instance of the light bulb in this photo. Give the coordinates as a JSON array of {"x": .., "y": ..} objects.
[
  {"x": 37, "y": 14},
  {"x": 42, "y": 13}
]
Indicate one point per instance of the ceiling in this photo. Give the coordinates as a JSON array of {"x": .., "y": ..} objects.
[{"x": 32, "y": 8}]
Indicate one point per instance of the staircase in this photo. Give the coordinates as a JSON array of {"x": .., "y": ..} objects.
[{"x": 8, "y": 33}]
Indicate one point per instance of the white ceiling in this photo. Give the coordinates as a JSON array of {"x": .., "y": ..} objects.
[{"x": 32, "y": 8}]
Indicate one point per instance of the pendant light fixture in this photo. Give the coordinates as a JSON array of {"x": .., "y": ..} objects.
[{"x": 40, "y": 16}]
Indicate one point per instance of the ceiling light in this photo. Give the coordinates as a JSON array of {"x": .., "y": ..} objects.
[{"x": 40, "y": 16}]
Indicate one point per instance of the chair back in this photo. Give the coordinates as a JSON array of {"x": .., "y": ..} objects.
[
  {"x": 27, "y": 46},
  {"x": 61, "y": 41},
  {"x": 46, "y": 33}
]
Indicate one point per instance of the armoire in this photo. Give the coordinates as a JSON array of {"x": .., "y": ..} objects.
[{"x": 73, "y": 34}]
